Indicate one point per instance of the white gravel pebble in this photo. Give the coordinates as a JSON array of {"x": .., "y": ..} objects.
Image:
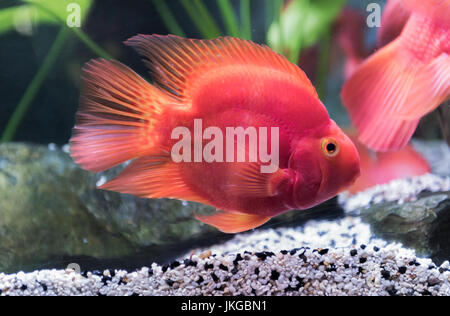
[{"x": 401, "y": 190}]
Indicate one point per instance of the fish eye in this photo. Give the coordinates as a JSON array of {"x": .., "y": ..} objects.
[{"x": 330, "y": 147}]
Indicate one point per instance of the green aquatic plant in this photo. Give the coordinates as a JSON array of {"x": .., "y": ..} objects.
[
  {"x": 34, "y": 12},
  {"x": 302, "y": 24},
  {"x": 291, "y": 26}
]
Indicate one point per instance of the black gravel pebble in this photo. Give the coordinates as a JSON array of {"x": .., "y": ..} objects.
[
  {"x": 402, "y": 270},
  {"x": 353, "y": 252},
  {"x": 362, "y": 260},
  {"x": 284, "y": 252},
  {"x": 23, "y": 287},
  {"x": 274, "y": 275},
  {"x": 256, "y": 270},
  {"x": 208, "y": 266},
  {"x": 223, "y": 267},
  {"x": 44, "y": 287},
  {"x": 303, "y": 257},
  {"x": 170, "y": 282},
  {"x": 105, "y": 279},
  {"x": 300, "y": 281},
  {"x": 376, "y": 249},
  {"x": 392, "y": 291},
  {"x": 200, "y": 280},
  {"x": 174, "y": 264},
  {"x": 234, "y": 270},
  {"x": 294, "y": 251},
  {"x": 289, "y": 289},
  {"x": 323, "y": 252},
  {"x": 214, "y": 277},
  {"x": 189, "y": 263},
  {"x": 385, "y": 274},
  {"x": 261, "y": 255},
  {"x": 237, "y": 259}
]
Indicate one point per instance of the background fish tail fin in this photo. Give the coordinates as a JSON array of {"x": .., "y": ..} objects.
[
  {"x": 116, "y": 118},
  {"x": 431, "y": 88},
  {"x": 377, "y": 93},
  {"x": 439, "y": 9},
  {"x": 395, "y": 16}
]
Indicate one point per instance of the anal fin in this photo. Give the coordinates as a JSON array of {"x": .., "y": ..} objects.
[{"x": 229, "y": 222}]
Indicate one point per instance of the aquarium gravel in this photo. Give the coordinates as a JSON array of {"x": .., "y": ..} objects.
[
  {"x": 400, "y": 190},
  {"x": 322, "y": 258}
]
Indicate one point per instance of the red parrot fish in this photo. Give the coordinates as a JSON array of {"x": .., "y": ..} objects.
[
  {"x": 383, "y": 167},
  {"x": 403, "y": 81},
  {"x": 211, "y": 86},
  {"x": 395, "y": 16}
]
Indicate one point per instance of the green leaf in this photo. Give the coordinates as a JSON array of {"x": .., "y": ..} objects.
[
  {"x": 229, "y": 17},
  {"x": 169, "y": 19},
  {"x": 23, "y": 18},
  {"x": 302, "y": 24}
]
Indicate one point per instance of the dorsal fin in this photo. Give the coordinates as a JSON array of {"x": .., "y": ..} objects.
[{"x": 175, "y": 62}]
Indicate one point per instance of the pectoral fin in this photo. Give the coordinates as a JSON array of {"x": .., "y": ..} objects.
[{"x": 247, "y": 179}]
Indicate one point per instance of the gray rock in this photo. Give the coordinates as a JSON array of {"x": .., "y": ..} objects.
[
  {"x": 51, "y": 209},
  {"x": 41, "y": 217},
  {"x": 437, "y": 153},
  {"x": 423, "y": 224}
]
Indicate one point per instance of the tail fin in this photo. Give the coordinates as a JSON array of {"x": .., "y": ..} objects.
[
  {"x": 436, "y": 9},
  {"x": 117, "y": 114},
  {"x": 395, "y": 16},
  {"x": 393, "y": 89}
]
